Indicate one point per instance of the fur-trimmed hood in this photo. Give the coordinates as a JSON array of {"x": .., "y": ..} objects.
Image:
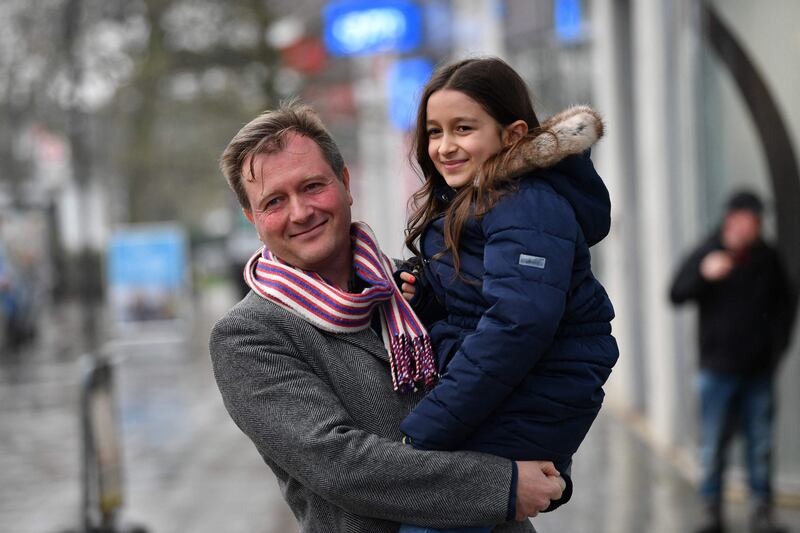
[
  {"x": 570, "y": 132},
  {"x": 559, "y": 154}
]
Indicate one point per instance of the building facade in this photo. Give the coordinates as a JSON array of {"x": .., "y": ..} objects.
[{"x": 699, "y": 97}]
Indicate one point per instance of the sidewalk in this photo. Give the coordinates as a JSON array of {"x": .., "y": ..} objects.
[
  {"x": 190, "y": 470},
  {"x": 623, "y": 486}
]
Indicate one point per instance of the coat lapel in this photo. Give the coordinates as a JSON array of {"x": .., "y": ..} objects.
[{"x": 367, "y": 340}]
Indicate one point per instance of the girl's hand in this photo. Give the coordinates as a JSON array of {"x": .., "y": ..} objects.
[{"x": 407, "y": 288}]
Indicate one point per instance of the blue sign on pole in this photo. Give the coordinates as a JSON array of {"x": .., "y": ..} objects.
[
  {"x": 146, "y": 272},
  {"x": 360, "y": 27},
  {"x": 404, "y": 83}
]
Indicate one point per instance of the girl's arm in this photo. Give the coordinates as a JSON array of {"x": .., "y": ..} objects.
[{"x": 531, "y": 238}]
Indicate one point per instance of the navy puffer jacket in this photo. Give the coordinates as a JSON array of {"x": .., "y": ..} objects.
[{"x": 526, "y": 344}]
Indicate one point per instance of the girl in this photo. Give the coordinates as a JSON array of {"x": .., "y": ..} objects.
[{"x": 520, "y": 327}]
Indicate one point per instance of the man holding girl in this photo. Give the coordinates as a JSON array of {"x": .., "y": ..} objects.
[{"x": 323, "y": 363}]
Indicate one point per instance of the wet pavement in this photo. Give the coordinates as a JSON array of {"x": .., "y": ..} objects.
[{"x": 189, "y": 469}]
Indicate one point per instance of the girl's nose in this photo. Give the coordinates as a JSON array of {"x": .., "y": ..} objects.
[{"x": 446, "y": 146}]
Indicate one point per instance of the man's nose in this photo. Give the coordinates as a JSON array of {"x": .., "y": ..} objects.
[{"x": 299, "y": 210}]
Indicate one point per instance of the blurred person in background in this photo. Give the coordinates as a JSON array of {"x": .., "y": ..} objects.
[
  {"x": 6, "y": 297},
  {"x": 521, "y": 328},
  {"x": 16, "y": 315},
  {"x": 745, "y": 317},
  {"x": 309, "y": 363}
]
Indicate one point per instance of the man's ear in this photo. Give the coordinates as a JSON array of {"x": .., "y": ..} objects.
[
  {"x": 248, "y": 215},
  {"x": 346, "y": 182},
  {"x": 514, "y": 132}
]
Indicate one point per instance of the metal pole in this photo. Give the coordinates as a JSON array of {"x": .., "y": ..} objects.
[
  {"x": 102, "y": 456},
  {"x": 77, "y": 129}
]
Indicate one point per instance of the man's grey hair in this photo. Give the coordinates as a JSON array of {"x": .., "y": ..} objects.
[{"x": 266, "y": 134}]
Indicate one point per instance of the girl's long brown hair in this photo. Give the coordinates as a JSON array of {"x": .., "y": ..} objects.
[{"x": 502, "y": 93}]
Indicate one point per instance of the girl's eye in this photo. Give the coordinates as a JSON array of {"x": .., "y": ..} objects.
[
  {"x": 463, "y": 129},
  {"x": 433, "y": 132}
]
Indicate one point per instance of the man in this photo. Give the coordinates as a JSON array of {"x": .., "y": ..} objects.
[
  {"x": 745, "y": 320},
  {"x": 304, "y": 372}
]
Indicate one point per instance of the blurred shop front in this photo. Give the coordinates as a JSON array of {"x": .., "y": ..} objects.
[{"x": 699, "y": 98}]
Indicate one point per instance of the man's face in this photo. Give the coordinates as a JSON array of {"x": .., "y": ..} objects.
[
  {"x": 299, "y": 208},
  {"x": 740, "y": 230}
]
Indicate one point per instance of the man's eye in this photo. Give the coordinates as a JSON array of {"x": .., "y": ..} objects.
[
  {"x": 314, "y": 186},
  {"x": 272, "y": 203}
]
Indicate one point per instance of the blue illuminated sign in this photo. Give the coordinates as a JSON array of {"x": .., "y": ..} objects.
[
  {"x": 147, "y": 257},
  {"x": 568, "y": 20},
  {"x": 357, "y": 27},
  {"x": 146, "y": 267},
  {"x": 404, "y": 82}
]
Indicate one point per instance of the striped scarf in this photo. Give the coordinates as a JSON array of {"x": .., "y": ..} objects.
[{"x": 309, "y": 296}]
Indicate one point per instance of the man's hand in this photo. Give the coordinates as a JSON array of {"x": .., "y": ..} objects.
[
  {"x": 716, "y": 266},
  {"x": 407, "y": 288},
  {"x": 538, "y": 482}
]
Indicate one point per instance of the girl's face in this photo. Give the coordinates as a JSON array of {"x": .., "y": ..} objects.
[{"x": 461, "y": 136}]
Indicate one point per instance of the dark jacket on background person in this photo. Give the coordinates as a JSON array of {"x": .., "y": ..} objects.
[
  {"x": 745, "y": 319},
  {"x": 525, "y": 345}
]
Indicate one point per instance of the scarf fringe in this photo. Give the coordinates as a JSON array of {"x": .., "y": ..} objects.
[{"x": 413, "y": 363}]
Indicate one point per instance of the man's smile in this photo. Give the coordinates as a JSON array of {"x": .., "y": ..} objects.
[{"x": 310, "y": 232}]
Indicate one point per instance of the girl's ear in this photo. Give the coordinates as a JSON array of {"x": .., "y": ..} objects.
[{"x": 514, "y": 132}]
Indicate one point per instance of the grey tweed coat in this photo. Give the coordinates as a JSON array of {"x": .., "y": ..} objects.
[{"x": 321, "y": 411}]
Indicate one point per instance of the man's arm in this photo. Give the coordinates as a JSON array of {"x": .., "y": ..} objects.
[
  {"x": 689, "y": 283},
  {"x": 295, "y": 418},
  {"x": 784, "y": 300}
]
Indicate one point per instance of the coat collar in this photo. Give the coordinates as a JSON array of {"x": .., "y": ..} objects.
[{"x": 444, "y": 193}]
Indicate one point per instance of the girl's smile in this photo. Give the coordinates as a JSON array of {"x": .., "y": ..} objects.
[{"x": 452, "y": 165}]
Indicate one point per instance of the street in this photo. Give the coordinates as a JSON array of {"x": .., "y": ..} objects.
[
  {"x": 189, "y": 469},
  {"x": 187, "y": 466}
]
